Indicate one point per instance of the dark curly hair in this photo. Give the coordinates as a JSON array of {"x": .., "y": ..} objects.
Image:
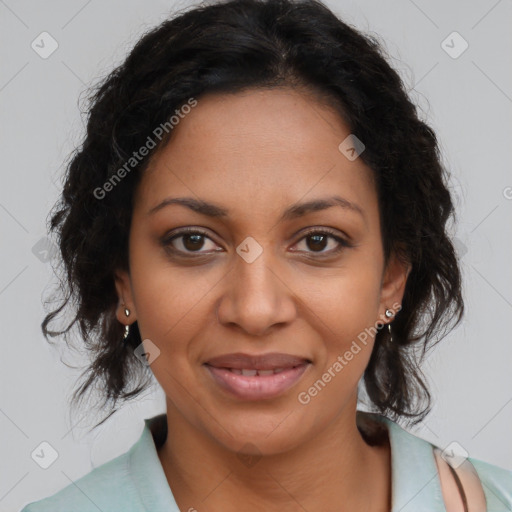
[{"x": 226, "y": 47}]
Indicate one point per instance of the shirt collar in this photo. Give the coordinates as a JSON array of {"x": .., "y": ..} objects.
[
  {"x": 415, "y": 486},
  {"x": 146, "y": 469}
]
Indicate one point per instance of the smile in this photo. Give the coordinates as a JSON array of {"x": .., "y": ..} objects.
[{"x": 255, "y": 384}]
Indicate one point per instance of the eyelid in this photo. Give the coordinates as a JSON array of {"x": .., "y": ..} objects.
[{"x": 335, "y": 233}]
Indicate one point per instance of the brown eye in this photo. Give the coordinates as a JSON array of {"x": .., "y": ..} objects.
[
  {"x": 187, "y": 241},
  {"x": 317, "y": 241},
  {"x": 192, "y": 242}
]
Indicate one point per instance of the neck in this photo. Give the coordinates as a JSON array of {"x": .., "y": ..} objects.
[{"x": 335, "y": 471}]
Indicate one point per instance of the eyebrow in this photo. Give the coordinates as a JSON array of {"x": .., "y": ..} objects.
[{"x": 296, "y": 210}]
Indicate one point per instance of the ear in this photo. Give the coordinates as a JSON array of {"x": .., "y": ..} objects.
[
  {"x": 125, "y": 295},
  {"x": 393, "y": 284}
]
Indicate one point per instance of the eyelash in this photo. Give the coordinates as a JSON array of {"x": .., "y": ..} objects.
[{"x": 167, "y": 241}]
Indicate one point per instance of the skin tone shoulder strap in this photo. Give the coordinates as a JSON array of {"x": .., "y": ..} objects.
[{"x": 461, "y": 486}]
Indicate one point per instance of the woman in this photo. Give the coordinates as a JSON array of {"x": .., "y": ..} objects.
[{"x": 257, "y": 218}]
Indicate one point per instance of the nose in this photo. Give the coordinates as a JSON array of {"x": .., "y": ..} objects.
[{"x": 256, "y": 297}]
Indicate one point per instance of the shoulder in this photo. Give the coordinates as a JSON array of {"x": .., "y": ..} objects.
[
  {"x": 497, "y": 484},
  {"x": 414, "y": 460},
  {"x": 132, "y": 482},
  {"x": 107, "y": 487}
]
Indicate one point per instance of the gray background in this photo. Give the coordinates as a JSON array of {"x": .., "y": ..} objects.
[{"x": 467, "y": 100}]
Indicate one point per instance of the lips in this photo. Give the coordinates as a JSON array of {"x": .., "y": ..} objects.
[{"x": 256, "y": 377}]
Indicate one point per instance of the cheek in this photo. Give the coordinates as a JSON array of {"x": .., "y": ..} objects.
[
  {"x": 344, "y": 302},
  {"x": 344, "y": 310},
  {"x": 169, "y": 299},
  {"x": 172, "y": 312},
  {"x": 346, "y": 314}
]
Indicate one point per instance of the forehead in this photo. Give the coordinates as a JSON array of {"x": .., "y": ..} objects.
[{"x": 256, "y": 150}]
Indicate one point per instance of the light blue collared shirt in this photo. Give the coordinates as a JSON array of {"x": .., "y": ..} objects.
[{"x": 135, "y": 481}]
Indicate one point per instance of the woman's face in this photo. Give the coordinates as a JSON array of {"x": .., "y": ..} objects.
[{"x": 273, "y": 272}]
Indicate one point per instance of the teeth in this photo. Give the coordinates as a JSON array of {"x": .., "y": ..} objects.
[{"x": 253, "y": 373}]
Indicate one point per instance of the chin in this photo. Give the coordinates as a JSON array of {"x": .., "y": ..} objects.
[{"x": 261, "y": 434}]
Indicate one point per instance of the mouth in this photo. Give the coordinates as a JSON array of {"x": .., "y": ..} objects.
[{"x": 256, "y": 377}]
